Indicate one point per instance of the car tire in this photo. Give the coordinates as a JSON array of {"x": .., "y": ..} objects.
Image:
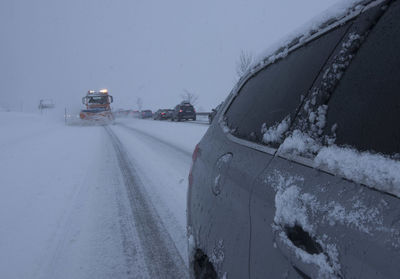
[{"x": 202, "y": 266}]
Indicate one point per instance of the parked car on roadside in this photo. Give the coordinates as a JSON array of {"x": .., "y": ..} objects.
[
  {"x": 169, "y": 113},
  {"x": 161, "y": 114},
  {"x": 146, "y": 114},
  {"x": 298, "y": 176},
  {"x": 136, "y": 114},
  {"x": 183, "y": 111}
]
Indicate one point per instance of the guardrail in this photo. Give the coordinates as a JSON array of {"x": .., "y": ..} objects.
[{"x": 203, "y": 113}]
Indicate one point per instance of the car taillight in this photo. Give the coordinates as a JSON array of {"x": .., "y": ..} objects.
[{"x": 194, "y": 157}]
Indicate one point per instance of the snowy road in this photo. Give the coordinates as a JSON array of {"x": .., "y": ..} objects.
[{"x": 94, "y": 202}]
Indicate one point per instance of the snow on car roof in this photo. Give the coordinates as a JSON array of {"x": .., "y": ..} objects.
[{"x": 335, "y": 16}]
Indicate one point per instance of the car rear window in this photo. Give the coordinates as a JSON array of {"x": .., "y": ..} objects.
[
  {"x": 365, "y": 106},
  {"x": 187, "y": 108},
  {"x": 276, "y": 91}
]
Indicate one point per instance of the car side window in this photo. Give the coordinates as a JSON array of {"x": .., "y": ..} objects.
[
  {"x": 365, "y": 107},
  {"x": 275, "y": 93}
]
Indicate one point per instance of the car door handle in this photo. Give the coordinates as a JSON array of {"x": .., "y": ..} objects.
[
  {"x": 304, "y": 253},
  {"x": 303, "y": 240}
]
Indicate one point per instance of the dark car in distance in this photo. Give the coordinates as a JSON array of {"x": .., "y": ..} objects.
[
  {"x": 162, "y": 114},
  {"x": 183, "y": 111},
  {"x": 298, "y": 176},
  {"x": 146, "y": 114}
]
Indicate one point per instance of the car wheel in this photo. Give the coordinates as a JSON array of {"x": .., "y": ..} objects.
[{"x": 202, "y": 267}]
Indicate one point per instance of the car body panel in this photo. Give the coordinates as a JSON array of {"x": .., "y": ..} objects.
[
  {"x": 354, "y": 225},
  {"x": 259, "y": 213},
  {"x": 356, "y": 228},
  {"x": 226, "y": 189}
]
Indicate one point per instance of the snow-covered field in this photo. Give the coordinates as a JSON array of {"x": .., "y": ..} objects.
[{"x": 93, "y": 201}]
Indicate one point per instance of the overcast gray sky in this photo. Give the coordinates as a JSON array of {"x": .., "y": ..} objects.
[{"x": 151, "y": 49}]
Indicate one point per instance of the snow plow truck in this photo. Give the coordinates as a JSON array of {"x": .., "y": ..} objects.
[{"x": 97, "y": 106}]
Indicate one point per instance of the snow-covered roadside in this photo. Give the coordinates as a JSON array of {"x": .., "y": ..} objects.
[
  {"x": 183, "y": 134},
  {"x": 28, "y": 125},
  {"x": 163, "y": 162},
  {"x": 58, "y": 208},
  {"x": 64, "y": 209}
]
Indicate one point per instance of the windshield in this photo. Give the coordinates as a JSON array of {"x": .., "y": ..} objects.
[{"x": 98, "y": 100}]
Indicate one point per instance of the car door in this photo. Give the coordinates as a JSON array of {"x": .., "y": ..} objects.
[
  {"x": 228, "y": 230},
  {"x": 219, "y": 199},
  {"x": 242, "y": 157},
  {"x": 325, "y": 203}
]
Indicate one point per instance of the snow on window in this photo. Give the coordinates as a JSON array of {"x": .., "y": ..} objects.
[
  {"x": 314, "y": 120},
  {"x": 276, "y": 132},
  {"x": 374, "y": 170},
  {"x": 225, "y": 128},
  {"x": 299, "y": 143}
]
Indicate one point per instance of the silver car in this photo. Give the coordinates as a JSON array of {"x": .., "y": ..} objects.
[{"x": 299, "y": 174}]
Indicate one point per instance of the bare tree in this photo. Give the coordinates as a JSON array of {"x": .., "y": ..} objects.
[
  {"x": 139, "y": 103},
  {"x": 244, "y": 63},
  {"x": 189, "y": 97}
]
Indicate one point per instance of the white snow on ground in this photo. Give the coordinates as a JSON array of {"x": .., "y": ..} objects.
[
  {"x": 33, "y": 126},
  {"x": 162, "y": 150},
  {"x": 50, "y": 208},
  {"x": 183, "y": 134},
  {"x": 64, "y": 211}
]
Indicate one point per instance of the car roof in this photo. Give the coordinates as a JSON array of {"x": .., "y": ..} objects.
[{"x": 330, "y": 19}]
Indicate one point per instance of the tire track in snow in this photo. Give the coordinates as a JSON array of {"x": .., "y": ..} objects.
[
  {"x": 170, "y": 145},
  {"x": 162, "y": 258}
]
